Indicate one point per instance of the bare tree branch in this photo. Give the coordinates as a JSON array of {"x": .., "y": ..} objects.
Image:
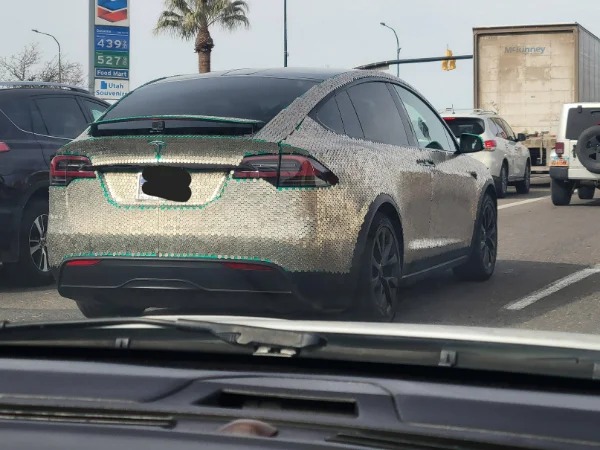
[{"x": 28, "y": 65}]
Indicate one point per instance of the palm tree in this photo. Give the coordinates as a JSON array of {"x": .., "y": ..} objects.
[{"x": 190, "y": 19}]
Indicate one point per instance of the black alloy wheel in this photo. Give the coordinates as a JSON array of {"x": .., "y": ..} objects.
[
  {"x": 484, "y": 250},
  {"x": 382, "y": 272}
]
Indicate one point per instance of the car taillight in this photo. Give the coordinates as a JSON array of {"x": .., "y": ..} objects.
[
  {"x": 490, "y": 145},
  {"x": 66, "y": 168},
  {"x": 83, "y": 262},
  {"x": 286, "y": 171},
  {"x": 559, "y": 149},
  {"x": 4, "y": 147},
  {"x": 248, "y": 266}
]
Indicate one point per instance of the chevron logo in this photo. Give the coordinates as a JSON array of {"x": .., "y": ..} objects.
[{"x": 112, "y": 10}]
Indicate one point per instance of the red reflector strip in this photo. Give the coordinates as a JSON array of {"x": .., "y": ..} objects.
[
  {"x": 247, "y": 266},
  {"x": 4, "y": 147},
  {"x": 83, "y": 262}
]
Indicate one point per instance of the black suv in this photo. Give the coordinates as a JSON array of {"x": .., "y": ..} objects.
[{"x": 36, "y": 119}]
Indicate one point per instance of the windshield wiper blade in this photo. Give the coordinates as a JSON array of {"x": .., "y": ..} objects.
[{"x": 264, "y": 341}]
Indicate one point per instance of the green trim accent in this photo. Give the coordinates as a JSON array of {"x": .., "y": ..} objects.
[
  {"x": 158, "y": 136},
  {"x": 180, "y": 117},
  {"x": 165, "y": 255}
]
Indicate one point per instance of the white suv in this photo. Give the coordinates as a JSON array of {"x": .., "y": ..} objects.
[
  {"x": 575, "y": 162},
  {"x": 506, "y": 157}
]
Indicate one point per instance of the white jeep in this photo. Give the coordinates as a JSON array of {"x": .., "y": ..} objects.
[{"x": 575, "y": 162}]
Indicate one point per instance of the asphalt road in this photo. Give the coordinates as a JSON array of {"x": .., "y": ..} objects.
[{"x": 547, "y": 276}]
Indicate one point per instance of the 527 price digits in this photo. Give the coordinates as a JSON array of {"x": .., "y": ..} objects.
[{"x": 112, "y": 61}]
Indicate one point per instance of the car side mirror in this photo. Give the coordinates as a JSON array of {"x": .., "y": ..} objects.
[
  {"x": 470, "y": 143},
  {"x": 521, "y": 137}
]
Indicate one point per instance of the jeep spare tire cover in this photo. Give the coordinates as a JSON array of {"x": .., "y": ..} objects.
[{"x": 588, "y": 149}]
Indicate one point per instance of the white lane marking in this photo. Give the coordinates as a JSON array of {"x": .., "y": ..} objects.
[
  {"x": 552, "y": 288},
  {"x": 522, "y": 202}
]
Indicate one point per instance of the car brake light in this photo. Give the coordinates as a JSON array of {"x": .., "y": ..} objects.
[
  {"x": 559, "y": 149},
  {"x": 286, "y": 171},
  {"x": 4, "y": 147},
  {"x": 490, "y": 145},
  {"x": 448, "y": 119},
  {"x": 83, "y": 262},
  {"x": 247, "y": 266},
  {"x": 66, "y": 168}
]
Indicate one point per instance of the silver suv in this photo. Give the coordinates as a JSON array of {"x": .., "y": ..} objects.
[
  {"x": 505, "y": 156},
  {"x": 575, "y": 162}
]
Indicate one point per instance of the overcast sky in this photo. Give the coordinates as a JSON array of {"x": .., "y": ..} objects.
[{"x": 334, "y": 33}]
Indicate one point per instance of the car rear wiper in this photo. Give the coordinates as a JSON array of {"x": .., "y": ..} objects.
[{"x": 263, "y": 341}]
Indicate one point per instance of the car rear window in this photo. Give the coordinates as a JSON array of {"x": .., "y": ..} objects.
[
  {"x": 580, "y": 119},
  {"x": 460, "y": 125},
  {"x": 242, "y": 97}
]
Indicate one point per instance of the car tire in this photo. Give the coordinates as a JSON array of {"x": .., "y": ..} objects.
[
  {"x": 380, "y": 272},
  {"x": 524, "y": 185},
  {"x": 502, "y": 181},
  {"x": 586, "y": 192},
  {"x": 32, "y": 268},
  {"x": 587, "y": 149},
  {"x": 561, "y": 192},
  {"x": 484, "y": 248},
  {"x": 97, "y": 310}
]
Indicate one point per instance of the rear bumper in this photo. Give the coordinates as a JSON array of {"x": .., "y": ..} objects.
[{"x": 204, "y": 286}]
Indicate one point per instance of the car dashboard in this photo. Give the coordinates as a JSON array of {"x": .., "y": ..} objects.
[{"x": 53, "y": 403}]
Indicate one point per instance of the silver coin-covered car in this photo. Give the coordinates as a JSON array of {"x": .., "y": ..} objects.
[{"x": 280, "y": 190}]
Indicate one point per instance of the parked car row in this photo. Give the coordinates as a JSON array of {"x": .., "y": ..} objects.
[{"x": 36, "y": 119}]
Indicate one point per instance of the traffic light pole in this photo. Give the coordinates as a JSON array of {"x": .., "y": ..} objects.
[{"x": 383, "y": 64}]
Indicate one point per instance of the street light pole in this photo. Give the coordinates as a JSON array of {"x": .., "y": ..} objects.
[
  {"x": 285, "y": 43},
  {"x": 59, "y": 54},
  {"x": 397, "y": 46}
]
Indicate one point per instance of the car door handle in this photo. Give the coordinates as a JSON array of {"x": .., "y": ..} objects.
[
  {"x": 426, "y": 162},
  {"x": 473, "y": 174}
]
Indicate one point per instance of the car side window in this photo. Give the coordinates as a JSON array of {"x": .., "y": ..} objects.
[
  {"x": 39, "y": 127},
  {"x": 493, "y": 128},
  {"x": 328, "y": 114},
  {"x": 508, "y": 129},
  {"x": 18, "y": 112},
  {"x": 502, "y": 133},
  {"x": 95, "y": 109},
  {"x": 378, "y": 113},
  {"x": 352, "y": 126},
  {"x": 62, "y": 115},
  {"x": 428, "y": 127}
]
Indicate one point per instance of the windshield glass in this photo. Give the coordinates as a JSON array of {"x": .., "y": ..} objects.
[
  {"x": 460, "y": 125},
  {"x": 329, "y": 161}
]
